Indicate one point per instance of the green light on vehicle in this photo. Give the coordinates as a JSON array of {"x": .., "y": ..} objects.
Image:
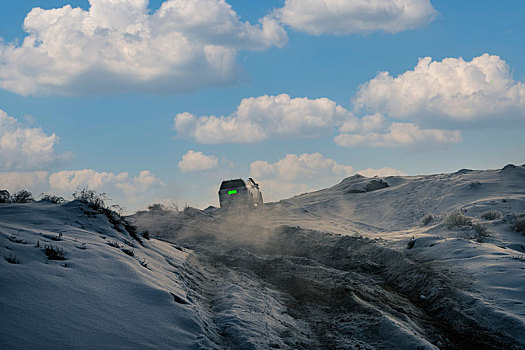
[{"x": 232, "y": 192}]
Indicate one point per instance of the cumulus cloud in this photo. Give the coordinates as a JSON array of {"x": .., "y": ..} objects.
[
  {"x": 295, "y": 174},
  {"x": 401, "y": 134},
  {"x": 140, "y": 184},
  {"x": 197, "y": 161},
  {"x": 117, "y": 45},
  {"x": 306, "y": 166},
  {"x": 260, "y": 118},
  {"x": 70, "y": 180},
  {"x": 355, "y": 16},
  {"x": 23, "y": 148},
  {"x": 452, "y": 88},
  {"x": 365, "y": 124},
  {"x": 15, "y": 181},
  {"x": 73, "y": 179}
]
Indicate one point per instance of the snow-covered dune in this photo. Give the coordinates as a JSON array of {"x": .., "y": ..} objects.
[
  {"x": 418, "y": 228},
  {"x": 412, "y": 213},
  {"x": 406, "y": 200},
  {"x": 101, "y": 290},
  {"x": 399, "y": 262}
]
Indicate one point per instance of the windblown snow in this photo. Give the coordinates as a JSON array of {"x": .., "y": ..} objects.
[{"x": 400, "y": 262}]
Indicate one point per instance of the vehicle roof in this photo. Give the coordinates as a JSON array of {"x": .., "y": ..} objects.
[{"x": 234, "y": 183}]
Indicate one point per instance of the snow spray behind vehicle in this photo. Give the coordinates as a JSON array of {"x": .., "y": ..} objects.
[{"x": 240, "y": 193}]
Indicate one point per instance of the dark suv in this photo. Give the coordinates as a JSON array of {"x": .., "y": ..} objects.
[{"x": 237, "y": 192}]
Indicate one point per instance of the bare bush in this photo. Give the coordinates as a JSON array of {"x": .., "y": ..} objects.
[
  {"x": 55, "y": 253},
  {"x": 12, "y": 259},
  {"x": 81, "y": 247},
  {"x": 22, "y": 196},
  {"x": 44, "y": 197},
  {"x": 56, "y": 238},
  {"x": 114, "y": 244},
  {"x": 457, "y": 219},
  {"x": 127, "y": 251},
  {"x": 427, "y": 219},
  {"x": 131, "y": 229},
  {"x": 491, "y": 215},
  {"x": 158, "y": 207},
  {"x": 481, "y": 232},
  {"x": 16, "y": 239},
  {"x": 5, "y": 197},
  {"x": 95, "y": 200},
  {"x": 475, "y": 184},
  {"x": 117, "y": 209},
  {"x": 519, "y": 223}
]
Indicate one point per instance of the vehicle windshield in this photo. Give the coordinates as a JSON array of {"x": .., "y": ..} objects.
[{"x": 232, "y": 184}]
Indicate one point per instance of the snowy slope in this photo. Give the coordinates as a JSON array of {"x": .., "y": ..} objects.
[
  {"x": 113, "y": 292},
  {"x": 346, "y": 267},
  {"x": 406, "y": 201},
  {"x": 99, "y": 297},
  {"x": 484, "y": 274},
  {"x": 495, "y": 263}
]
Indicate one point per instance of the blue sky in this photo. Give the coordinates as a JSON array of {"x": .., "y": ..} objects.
[{"x": 289, "y": 92}]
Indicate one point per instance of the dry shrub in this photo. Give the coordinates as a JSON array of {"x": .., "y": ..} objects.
[
  {"x": 427, "y": 219},
  {"x": 491, "y": 215},
  {"x": 457, "y": 219}
]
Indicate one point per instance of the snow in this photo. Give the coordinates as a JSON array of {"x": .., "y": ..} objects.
[
  {"x": 495, "y": 267},
  {"x": 99, "y": 297},
  {"x": 343, "y": 267}
]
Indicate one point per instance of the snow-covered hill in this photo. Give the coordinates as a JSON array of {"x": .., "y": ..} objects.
[
  {"x": 100, "y": 289},
  {"x": 399, "y": 262},
  {"x": 347, "y": 208}
]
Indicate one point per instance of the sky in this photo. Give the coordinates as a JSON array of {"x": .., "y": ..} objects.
[{"x": 159, "y": 101}]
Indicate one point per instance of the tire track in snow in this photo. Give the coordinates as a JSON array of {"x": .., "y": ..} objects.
[{"x": 293, "y": 288}]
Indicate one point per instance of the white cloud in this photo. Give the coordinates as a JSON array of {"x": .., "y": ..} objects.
[
  {"x": 355, "y": 16},
  {"x": 23, "y": 148},
  {"x": 401, "y": 134},
  {"x": 305, "y": 166},
  {"x": 453, "y": 88},
  {"x": 117, "y": 45},
  {"x": 365, "y": 124},
  {"x": 295, "y": 174},
  {"x": 260, "y": 118},
  {"x": 383, "y": 172},
  {"x": 73, "y": 179},
  {"x": 31, "y": 181},
  {"x": 197, "y": 161},
  {"x": 118, "y": 186},
  {"x": 140, "y": 184}
]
